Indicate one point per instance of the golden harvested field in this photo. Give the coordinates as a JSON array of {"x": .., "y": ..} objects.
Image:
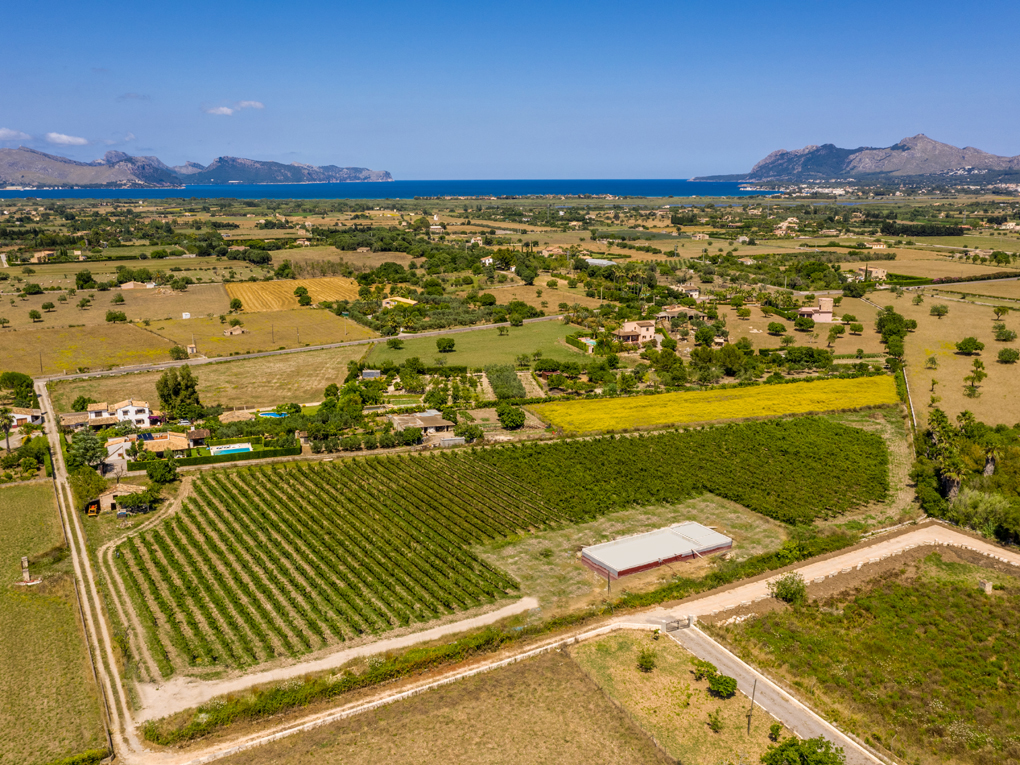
[
  {"x": 67, "y": 349},
  {"x": 267, "y": 331},
  {"x": 50, "y": 705},
  {"x": 936, "y": 268},
  {"x": 669, "y": 703},
  {"x": 717, "y": 405},
  {"x": 998, "y": 402},
  {"x": 359, "y": 260},
  {"x": 542, "y": 710},
  {"x": 62, "y": 274},
  {"x": 279, "y": 295},
  {"x": 1009, "y": 290},
  {"x": 154, "y": 304},
  {"x": 267, "y": 381}
]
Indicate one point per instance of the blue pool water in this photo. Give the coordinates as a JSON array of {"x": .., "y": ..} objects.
[
  {"x": 274, "y": 415},
  {"x": 216, "y": 451}
]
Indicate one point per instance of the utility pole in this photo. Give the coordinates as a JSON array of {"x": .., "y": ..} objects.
[
  {"x": 299, "y": 335},
  {"x": 272, "y": 332},
  {"x": 40, "y": 362},
  {"x": 751, "y": 710}
]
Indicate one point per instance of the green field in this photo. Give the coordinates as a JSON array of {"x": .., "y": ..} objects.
[
  {"x": 485, "y": 346},
  {"x": 921, "y": 663},
  {"x": 49, "y": 704}
]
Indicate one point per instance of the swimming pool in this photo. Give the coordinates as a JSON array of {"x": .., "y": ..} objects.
[
  {"x": 216, "y": 451},
  {"x": 274, "y": 415}
]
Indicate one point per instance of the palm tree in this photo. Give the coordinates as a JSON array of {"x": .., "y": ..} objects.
[{"x": 6, "y": 423}]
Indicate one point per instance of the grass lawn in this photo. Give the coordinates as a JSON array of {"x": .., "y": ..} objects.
[
  {"x": 293, "y": 377},
  {"x": 585, "y": 416},
  {"x": 49, "y": 704},
  {"x": 669, "y": 703},
  {"x": 546, "y": 565},
  {"x": 919, "y": 662},
  {"x": 540, "y": 711},
  {"x": 67, "y": 349},
  {"x": 486, "y": 346}
]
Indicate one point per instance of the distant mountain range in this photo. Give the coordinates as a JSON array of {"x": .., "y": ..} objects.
[
  {"x": 916, "y": 158},
  {"x": 28, "y": 167}
]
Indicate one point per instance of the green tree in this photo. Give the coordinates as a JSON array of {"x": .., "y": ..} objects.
[
  {"x": 48, "y": 307},
  {"x": 969, "y": 346},
  {"x": 705, "y": 336},
  {"x": 939, "y": 310},
  {"x": 178, "y": 393},
  {"x": 161, "y": 471},
  {"x": 811, "y": 751},
  {"x": 835, "y": 331},
  {"x": 236, "y": 305},
  {"x": 85, "y": 449},
  {"x": 1009, "y": 356},
  {"x": 510, "y": 417},
  {"x": 646, "y": 659},
  {"x": 856, "y": 328},
  {"x": 4, "y": 321},
  {"x": 178, "y": 353},
  {"x": 1000, "y": 311},
  {"x": 81, "y": 403},
  {"x": 804, "y": 324},
  {"x": 395, "y": 343},
  {"x": 34, "y": 315},
  {"x": 116, "y": 316},
  {"x": 976, "y": 376},
  {"x": 83, "y": 280},
  {"x": 445, "y": 344},
  {"x": 722, "y": 686},
  {"x": 776, "y": 328}
]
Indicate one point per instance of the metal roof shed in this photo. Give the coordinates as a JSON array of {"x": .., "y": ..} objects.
[{"x": 642, "y": 552}]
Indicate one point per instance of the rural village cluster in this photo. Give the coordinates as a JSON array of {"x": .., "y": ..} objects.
[{"x": 701, "y": 480}]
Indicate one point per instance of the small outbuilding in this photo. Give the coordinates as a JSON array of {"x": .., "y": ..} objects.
[{"x": 642, "y": 552}]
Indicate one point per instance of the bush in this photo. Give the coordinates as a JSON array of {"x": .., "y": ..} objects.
[
  {"x": 395, "y": 343},
  {"x": 775, "y": 731},
  {"x": 722, "y": 686},
  {"x": 715, "y": 722},
  {"x": 504, "y": 381},
  {"x": 445, "y": 344},
  {"x": 789, "y": 588},
  {"x": 161, "y": 471},
  {"x": 178, "y": 353},
  {"x": 969, "y": 346},
  {"x": 510, "y": 417},
  {"x": 703, "y": 669},
  {"x": 1009, "y": 356},
  {"x": 811, "y": 751},
  {"x": 646, "y": 659}
]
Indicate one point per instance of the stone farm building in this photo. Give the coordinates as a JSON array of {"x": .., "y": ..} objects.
[
  {"x": 821, "y": 314},
  {"x": 430, "y": 421},
  {"x": 130, "y": 410},
  {"x": 636, "y": 332}
]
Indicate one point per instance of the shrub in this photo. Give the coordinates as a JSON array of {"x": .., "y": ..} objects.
[
  {"x": 1009, "y": 356},
  {"x": 715, "y": 722},
  {"x": 445, "y": 344},
  {"x": 510, "y": 417},
  {"x": 161, "y": 471},
  {"x": 395, "y": 343},
  {"x": 722, "y": 686},
  {"x": 646, "y": 659},
  {"x": 969, "y": 346},
  {"x": 504, "y": 381},
  {"x": 775, "y": 731},
  {"x": 789, "y": 588},
  {"x": 811, "y": 751},
  {"x": 178, "y": 353},
  {"x": 703, "y": 669}
]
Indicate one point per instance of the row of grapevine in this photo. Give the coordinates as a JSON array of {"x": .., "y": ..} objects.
[{"x": 280, "y": 560}]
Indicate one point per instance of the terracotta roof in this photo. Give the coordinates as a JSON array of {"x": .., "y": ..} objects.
[
  {"x": 131, "y": 402},
  {"x": 112, "y": 420},
  {"x": 22, "y": 410},
  {"x": 101, "y": 407},
  {"x": 75, "y": 418},
  {"x": 175, "y": 442},
  {"x": 194, "y": 435}
]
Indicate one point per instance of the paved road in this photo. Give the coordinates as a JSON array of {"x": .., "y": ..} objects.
[
  {"x": 771, "y": 697},
  {"x": 240, "y": 357}
]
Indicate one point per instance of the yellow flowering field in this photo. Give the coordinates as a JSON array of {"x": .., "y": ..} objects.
[{"x": 713, "y": 405}]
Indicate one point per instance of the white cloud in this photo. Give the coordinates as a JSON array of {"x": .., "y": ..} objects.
[
  {"x": 66, "y": 140},
  {"x": 6, "y": 134},
  {"x": 226, "y": 111}
]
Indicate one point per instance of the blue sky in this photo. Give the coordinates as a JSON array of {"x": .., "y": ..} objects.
[{"x": 505, "y": 90}]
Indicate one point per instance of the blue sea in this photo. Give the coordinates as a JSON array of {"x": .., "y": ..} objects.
[{"x": 408, "y": 190}]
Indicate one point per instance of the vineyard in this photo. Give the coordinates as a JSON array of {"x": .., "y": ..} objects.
[
  {"x": 284, "y": 560},
  {"x": 716, "y": 405}
]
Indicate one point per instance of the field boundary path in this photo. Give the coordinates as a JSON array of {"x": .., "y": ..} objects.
[{"x": 262, "y": 354}]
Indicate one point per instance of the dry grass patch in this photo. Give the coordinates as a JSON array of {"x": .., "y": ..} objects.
[
  {"x": 540, "y": 711},
  {"x": 263, "y": 331},
  {"x": 50, "y": 706},
  {"x": 997, "y": 402},
  {"x": 267, "y": 381},
  {"x": 70, "y": 348},
  {"x": 669, "y": 703},
  {"x": 1008, "y": 290},
  {"x": 547, "y": 566}
]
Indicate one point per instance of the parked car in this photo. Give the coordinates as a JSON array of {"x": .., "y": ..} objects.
[{"x": 184, "y": 422}]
